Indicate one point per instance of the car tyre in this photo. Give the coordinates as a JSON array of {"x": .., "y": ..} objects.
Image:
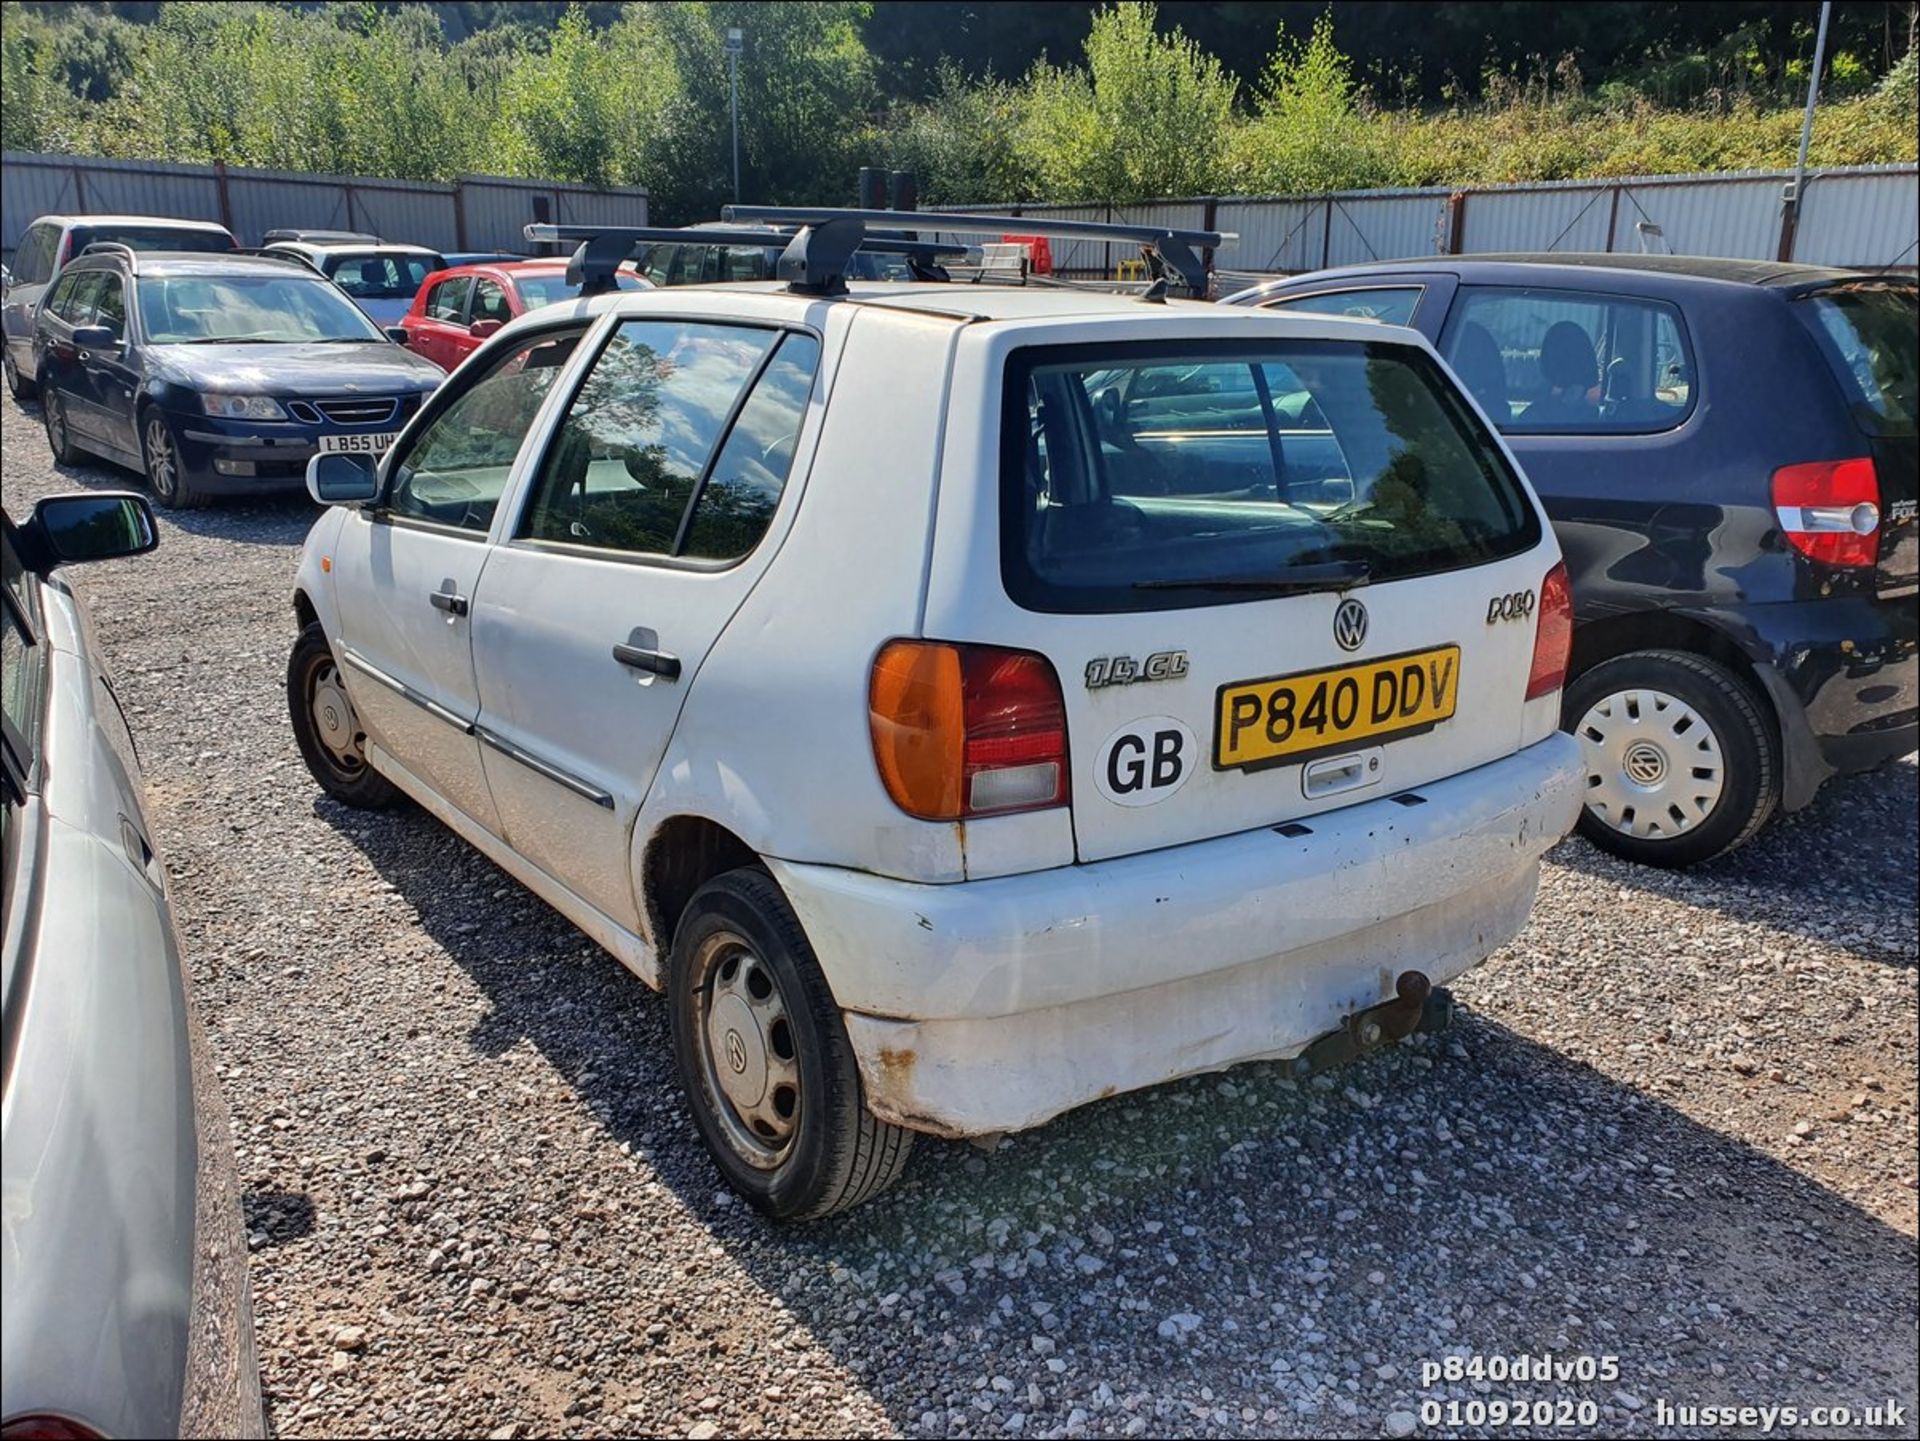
[
  {"x": 53, "y": 415},
  {"x": 765, "y": 1060},
  {"x": 166, "y": 472},
  {"x": 18, "y": 386},
  {"x": 327, "y": 729},
  {"x": 1682, "y": 762}
]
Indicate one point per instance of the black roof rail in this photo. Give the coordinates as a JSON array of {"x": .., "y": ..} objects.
[
  {"x": 1166, "y": 248},
  {"x": 810, "y": 268}
]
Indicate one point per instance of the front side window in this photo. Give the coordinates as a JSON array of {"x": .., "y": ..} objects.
[
  {"x": 490, "y": 302},
  {"x": 246, "y": 309},
  {"x": 1546, "y": 362},
  {"x": 448, "y": 299},
  {"x": 629, "y": 461},
  {"x": 78, "y": 305},
  {"x": 1141, "y": 477},
  {"x": 110, "y": 305},
  {"x": 60, "y": 297},
  {"x": 453, "y": 471},
  {"x": 1390, "y": 305}
]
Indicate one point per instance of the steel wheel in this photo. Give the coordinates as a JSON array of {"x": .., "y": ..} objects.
[
  {"x": 163, "y": 460},
  {"x": 335, "y": 724},
  {"x": 1654, "y": 765},
  {"x": 746, "y": 1045}
]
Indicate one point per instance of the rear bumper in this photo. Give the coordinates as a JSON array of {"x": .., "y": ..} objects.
[
  {"x": 995, "y": 1005},
  {"x": 1844, "y": 677}
]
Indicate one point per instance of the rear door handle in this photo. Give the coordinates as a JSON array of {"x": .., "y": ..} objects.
[
  {"x": 449, "y": 602},
  {"x": 654, "y": 662}
]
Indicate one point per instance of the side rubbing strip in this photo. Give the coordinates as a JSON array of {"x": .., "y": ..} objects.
[
  {"x": 401, "y": 688},
  {"x": 546, "y": 768}
]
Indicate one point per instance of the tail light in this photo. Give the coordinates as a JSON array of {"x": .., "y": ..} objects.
[
  {"x": 967, "y": 730},
  {"x": 46, "y": 1428},
  {"x": 1553, "y": 635},
  {"x": 1829, "y": 510}
]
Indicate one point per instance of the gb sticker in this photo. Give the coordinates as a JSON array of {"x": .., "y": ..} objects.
[{"x": 1145, "y": 761}]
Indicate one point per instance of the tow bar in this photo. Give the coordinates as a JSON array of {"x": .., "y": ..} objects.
[{"x": 1417, "y": 1005}]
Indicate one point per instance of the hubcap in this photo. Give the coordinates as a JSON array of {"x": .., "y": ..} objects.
[
  {"x": 747, "y": 1050},
  {"x": 160, "y": 462},
  {"x": 1654, "y": 766},
  {"x": 334, "y": 720}
]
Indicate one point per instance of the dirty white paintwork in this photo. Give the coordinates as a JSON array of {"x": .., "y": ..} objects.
[{"x": 889, "y": 527}]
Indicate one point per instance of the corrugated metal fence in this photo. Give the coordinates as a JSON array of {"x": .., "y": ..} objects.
[
  {"x": 1867, "y": 216},
  {"x": 478, "y": 212}
]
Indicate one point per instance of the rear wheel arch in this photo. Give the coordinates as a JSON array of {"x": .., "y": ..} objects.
[
  {"x": 1604, "y": 640},
  {"x": 683, "y": 854}
]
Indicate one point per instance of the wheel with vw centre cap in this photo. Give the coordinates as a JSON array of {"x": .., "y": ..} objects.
[
  {"x": 1681, "y": 762},
  {"x": 327, "y": 729},
  {"x": 765, "y": 1059}
]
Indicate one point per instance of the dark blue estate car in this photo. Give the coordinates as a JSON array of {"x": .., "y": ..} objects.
[
  {"x": 215, "y": 375},
  {"x": 1727, "y": 452}
]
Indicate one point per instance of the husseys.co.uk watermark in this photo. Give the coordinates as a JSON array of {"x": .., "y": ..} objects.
[
  {"x": 1516, "y": 1411},
  {"x": 1764, "y": 1420}
]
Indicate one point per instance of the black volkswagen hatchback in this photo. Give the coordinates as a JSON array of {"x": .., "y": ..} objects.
[
  {"x": 215, "y": 374},
  {"x": 1726, "y": 449}
]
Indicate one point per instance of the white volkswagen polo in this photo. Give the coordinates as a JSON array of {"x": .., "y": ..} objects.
[{"x": 964, "y": 702}]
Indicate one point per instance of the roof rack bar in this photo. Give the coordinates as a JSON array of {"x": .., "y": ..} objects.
[
  {"x": 813, "y": 258},
  {"x": 1166, "y": 248},
  {"x": 115, "y": 247},
  {"x": 957, "y": 224}
]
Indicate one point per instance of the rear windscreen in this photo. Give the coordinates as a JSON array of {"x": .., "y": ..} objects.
[
  {"x": 155, "y": 237},
  {"x": 1870, "y": 336},
  {"x": 388, "y": 275},
  {"x": 1143, "y": 477}
]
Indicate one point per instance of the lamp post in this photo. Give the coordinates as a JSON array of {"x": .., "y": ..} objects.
[
  {"x": 1796, "y": 194},
  {"x": 735, "y": 39}
]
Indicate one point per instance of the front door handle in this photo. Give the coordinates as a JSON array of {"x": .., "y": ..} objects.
[
  {"x": 449, "y": 602},
  {"x": 654, "y": 662}
]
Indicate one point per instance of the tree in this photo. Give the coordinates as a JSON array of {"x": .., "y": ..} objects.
[
  {"x": 1151, "y": 114},
  {"x": 1310, "y": 131}
]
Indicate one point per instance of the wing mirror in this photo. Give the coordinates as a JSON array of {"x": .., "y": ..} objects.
[
  {"x": 396, "y": 333},
  {"x": 343, "y": 479},
  {"x": 481, "y": 329},
  {"x": 104, "y": 525},
  {"x": 95, "y": 337}
]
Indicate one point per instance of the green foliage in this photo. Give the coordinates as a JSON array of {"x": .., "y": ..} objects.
[
  {"x": 1311, "y": 130},
  {"x": 1123, "y": 109}
]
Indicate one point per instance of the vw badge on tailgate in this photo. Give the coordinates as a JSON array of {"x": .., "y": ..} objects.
[{"x": 1350, "y": 624}]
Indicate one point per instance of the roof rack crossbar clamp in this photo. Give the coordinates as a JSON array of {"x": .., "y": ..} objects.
[
  {"x": 595, "y": 266},
  {"x": 815, "y": 260}
]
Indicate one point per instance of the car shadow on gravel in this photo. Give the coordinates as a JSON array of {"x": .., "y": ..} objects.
[
  {"x": 1275, "y": 1254},
  {"x": 1843, "y": 871}
]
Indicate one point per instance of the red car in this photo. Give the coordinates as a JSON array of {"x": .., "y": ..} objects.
[{"x": 459, "y": 308}]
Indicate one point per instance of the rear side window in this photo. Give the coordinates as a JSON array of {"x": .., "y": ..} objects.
[
  {"x": 448, "y": 299},
  {"x": 678, "y": 442},
  {"x": 1564, "y": 362},
  {"x": 1870, "y": 337},
  {"x": 1390, "y": 305},
  {"x": 1136, "y": 477},
  {"x": 34, "y": 262}
]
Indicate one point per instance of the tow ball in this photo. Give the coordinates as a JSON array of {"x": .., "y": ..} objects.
[{"x": 1417, "y": 1005}]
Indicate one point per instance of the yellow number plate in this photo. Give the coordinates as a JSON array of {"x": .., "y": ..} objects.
[{"x": 1290, "y": 718}]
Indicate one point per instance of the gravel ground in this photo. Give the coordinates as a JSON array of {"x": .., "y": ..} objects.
[{"x": 1675, "y": 1124}]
